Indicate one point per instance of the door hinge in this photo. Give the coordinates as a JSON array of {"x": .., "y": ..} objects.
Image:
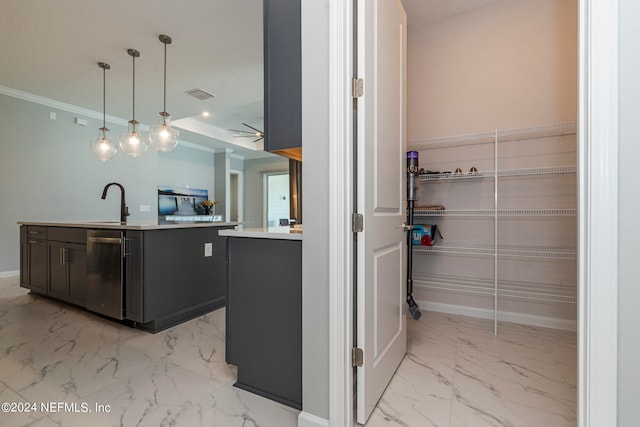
[
  {"x": 357, "y": 357},
  {"x": 357, "y": 88},
  {"x": 357, "y": 223}
]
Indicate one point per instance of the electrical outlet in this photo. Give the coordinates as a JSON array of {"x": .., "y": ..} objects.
[
  {"x": 145, "y": 208},
  {"x": 208, "y": 249}
]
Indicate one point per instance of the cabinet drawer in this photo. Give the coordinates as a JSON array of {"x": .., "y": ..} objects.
[
  {"x": 36, "y": 232},
  {"x": 68, "y": 234}
]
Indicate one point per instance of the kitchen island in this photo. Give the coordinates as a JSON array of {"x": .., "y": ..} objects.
[
  {"x": 264, "y": 311},
  {"x": 153, "y": 276}
]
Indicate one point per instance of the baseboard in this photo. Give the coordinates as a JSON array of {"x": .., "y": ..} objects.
[
  {"x": 305, "y": 419},
  {"x": 7, "y": 274},
  {"x": 504, "y": 316}
]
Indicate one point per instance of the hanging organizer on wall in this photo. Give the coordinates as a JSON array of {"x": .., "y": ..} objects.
[{"x": 533, "y": 151}]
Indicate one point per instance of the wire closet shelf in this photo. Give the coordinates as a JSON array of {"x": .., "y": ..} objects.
[{"x": 563, "y": 293}]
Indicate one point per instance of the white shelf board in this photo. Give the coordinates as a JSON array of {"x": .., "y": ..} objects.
[{"x": 551, "y": 170}]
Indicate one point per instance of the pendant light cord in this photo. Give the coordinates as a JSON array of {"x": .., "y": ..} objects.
[
  {"x": 104, "y": 97},
  {"x": 164, "y": 107},
  {"x": 134, "y": 89},
  {"x": 134, "y": 54},
  {"x": 104, "y": 67}
]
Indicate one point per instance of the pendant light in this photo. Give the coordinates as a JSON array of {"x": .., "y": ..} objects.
[
  {"x": 133, "y": 142},
  {"x": 102, "y": 148},
  {"x": 164, "y": 137}
]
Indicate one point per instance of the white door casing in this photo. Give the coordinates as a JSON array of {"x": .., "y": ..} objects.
[
  {"x": 598, "y": 40},
  {"x": 381, "y": 198}
]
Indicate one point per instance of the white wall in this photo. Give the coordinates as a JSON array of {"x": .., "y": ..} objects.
[
  {"x": 315, "y": 188},
  {"x": 629, "y": 207},
  {"x": 186, "y": 166},
  {"x": 512, "y": 64},
  {"x": 48, "y": 174}
]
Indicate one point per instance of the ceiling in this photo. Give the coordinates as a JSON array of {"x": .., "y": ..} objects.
[{"x": 51, "y": 49}]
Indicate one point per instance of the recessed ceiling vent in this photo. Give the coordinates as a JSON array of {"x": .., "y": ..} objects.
[{"x": 199, "y": 94}]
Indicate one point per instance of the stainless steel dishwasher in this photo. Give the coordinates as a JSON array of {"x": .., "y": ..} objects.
[{"x": 105, "y": 262}]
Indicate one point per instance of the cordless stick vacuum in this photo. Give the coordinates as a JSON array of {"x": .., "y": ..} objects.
[{"x": 412, "y": 175}]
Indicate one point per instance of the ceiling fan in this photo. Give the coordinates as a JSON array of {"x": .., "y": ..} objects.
[{"x": 247, "y": 134}]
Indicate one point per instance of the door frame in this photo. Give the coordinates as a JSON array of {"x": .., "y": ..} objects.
[{"x": 597, "y": 212}]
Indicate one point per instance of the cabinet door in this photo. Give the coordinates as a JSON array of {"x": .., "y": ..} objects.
[
  {"x": 38, "y": 257},
  {"x": 76, "y": 264},
  {"x": 24, "y": 257},
  {"x": 282, "y": 75},
  {"x": 68, "y": 272},
  {"x": 57, "y": 271}
]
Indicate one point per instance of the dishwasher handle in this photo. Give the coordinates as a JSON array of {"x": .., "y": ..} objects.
[{"x": 108, "y": 240}]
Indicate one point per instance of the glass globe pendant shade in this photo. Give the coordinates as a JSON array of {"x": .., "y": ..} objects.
[
  {"x": 102, "y": 148},
  {"x": 133, "y": 142},
  {"x": 164, "y": 137}
]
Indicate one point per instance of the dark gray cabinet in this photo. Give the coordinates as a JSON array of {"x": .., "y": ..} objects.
[
  {"x": 168, "y": 277},
  {"x": 54, "y": 262},
  {"x": 68, "y": 272},
  {"x": 35, "y": 258},
  {"x": 67, "y": 264},
  {"x": 264, "y": 317},
  {"x": 283, "y": 78}
]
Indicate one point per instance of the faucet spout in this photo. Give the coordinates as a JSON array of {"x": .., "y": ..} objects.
[{"x": 124, "y": 210}]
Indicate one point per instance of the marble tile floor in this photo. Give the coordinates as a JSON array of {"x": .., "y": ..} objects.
[
  {"x": 51, "y": 352},
  {"x": 456, "y": 373}
]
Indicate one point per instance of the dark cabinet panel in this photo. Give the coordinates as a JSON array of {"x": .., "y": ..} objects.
[
  {"x": 264, "y": 317},
  {"x": 77, "y": 273},
  {"x": 168, "y": 278},
  {"x": 37, "y": 265},
  {"x": 34, "y": 258},
  {"x": 134, "y": 276},
  {"x": 67, "y": 234},
  {"x": 68, "y": 264},
  {"x": 24, "y": 258},
  {"x": 53, "y": 262},
  {"x": 283, "y": 78},
  {"x": 57, "y": 271}
]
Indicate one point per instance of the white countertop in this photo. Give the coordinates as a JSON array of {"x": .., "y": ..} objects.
[
  {"x": 128, "y": 226},
  {"x": 281, "y": 233}
]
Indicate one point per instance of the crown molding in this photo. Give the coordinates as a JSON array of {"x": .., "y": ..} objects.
[{"x": 47, "y": 102}]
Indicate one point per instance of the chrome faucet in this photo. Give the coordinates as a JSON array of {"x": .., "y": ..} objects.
[{"x": 124, "y": 210}]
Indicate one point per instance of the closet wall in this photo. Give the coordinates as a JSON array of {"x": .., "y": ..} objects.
[{"x": 509, "y": 65}]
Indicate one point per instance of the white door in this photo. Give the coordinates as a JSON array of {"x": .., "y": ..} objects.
[{"x": 381, "y": 189}]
